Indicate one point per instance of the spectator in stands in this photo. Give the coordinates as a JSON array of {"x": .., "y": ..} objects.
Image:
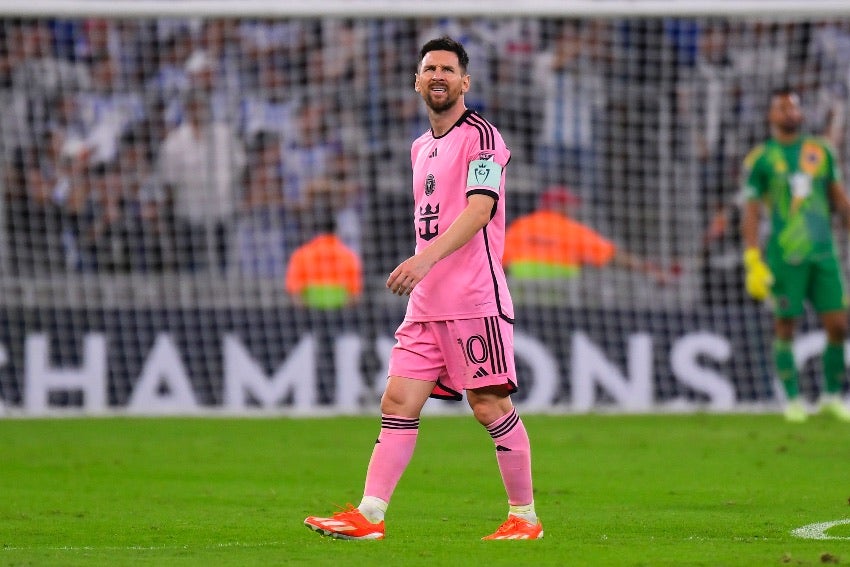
[
  {"x": 517, "y": 42},
  {"x": 65, "y": 124},
  {"x": 288, "y": 44},
  {"x": 14, "y": 106},
  {"x": 267, "y": 227},
  {"x": 170, "y": 81},
  {"x": 343, "y": 48},
  {"x": 120, "y": 40},
  {"x": 108, "y": 109},
  {"x": 95, "y": 37},
  {"x": 201, "y": 164},
  {"x": 823, "y": 83},
  {"x": 712, "y": 99},
  {"x": 759, "y": 54},
  {"x": 150, "y": 243},
  {"x": 35, "y": 77},
  {"x": 324, "y": 273},
  {"x": 720, "y": 247},
  {"x": 39, "y": 71},
  {"x": 316, "y": 167},
  {"x": 219, "y": 40},
  {"x": 549, "y": 244},
  {"x": 73, "y": 191},
  {"x": 102, "y": 236},
  {"x": 206, "y": 77},
  {"x": 573, "y": 92},
  {"x": 268, "y": 106},
  {"x": 33, "y": 217},
  {"x": 707, "y": 100},
  {"x": 10, "y": 55}
]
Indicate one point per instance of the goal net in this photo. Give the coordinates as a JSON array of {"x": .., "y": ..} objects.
[{"x": 162, "y": 168}]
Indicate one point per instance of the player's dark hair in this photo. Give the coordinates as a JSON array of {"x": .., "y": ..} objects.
[
  {"x": 784, "y": 90},
  {"x": 446, "y": 43},
  {"x": 321, "y": 216}
]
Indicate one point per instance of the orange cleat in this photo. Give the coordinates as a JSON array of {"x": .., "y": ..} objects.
[
  {"x": 347, "y": 524},
  {"x": 517, "y": 528}
]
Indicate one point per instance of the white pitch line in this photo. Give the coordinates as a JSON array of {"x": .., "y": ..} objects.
[
  {"x": 818, "y": 531},
  {"x": 142, "y": 547}
]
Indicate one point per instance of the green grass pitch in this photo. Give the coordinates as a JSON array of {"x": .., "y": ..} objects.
[{"x": 648, "y": 490}]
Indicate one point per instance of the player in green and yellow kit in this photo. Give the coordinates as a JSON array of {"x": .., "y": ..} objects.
[{"x": 796, "y": 177}]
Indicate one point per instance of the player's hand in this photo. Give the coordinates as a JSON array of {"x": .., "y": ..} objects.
[
  {"x": 759, "y": 279},
  {"x": 662, "y": 276},
  {"x": 404, "y": 278}
]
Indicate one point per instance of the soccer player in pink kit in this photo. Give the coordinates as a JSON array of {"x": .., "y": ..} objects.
[{"x": 457, "y": 334}]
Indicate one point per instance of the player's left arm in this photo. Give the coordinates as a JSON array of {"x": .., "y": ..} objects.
[
  {"x": 836, "y": 191},
  {"x": 840, "y": 201},
  {"x": 472, "y": 219}
]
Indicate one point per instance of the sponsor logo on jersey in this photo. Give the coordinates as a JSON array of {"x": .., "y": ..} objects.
[{"x": 428, "y": 216}]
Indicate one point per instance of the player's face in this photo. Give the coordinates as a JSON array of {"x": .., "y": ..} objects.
[
  {"x": 440, "y": 80},
  {"x": 786, "y": 115}
]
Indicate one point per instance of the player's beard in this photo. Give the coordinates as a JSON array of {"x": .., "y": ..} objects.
[
  {"x": 442, "y": 105},
  {"x": 789, "y": 127}
]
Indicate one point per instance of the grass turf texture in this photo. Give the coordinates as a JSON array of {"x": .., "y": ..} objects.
[{"x": 611, "y": 490}]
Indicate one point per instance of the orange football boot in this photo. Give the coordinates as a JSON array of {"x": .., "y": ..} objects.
[
  {"x": 347, "y": 524},
  {"x": 517, "y": 528}
]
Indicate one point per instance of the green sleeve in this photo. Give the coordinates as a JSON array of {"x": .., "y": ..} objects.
[
  {"x": 833, "y": 173},
  {"x": 754, "y": 179}
]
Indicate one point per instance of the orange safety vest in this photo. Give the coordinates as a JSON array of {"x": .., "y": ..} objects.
[
  {"x": 324, "y": 263},
  {"x": 552, "y": 239}
]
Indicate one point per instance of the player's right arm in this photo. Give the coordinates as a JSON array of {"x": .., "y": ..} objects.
[
  {"x": 759, "y": 278},
  {"x": 472, "y": 219}
]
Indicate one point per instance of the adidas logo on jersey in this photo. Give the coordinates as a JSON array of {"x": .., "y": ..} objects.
[
  {"x": 481, "y": 373},
  {"x": 433, "y": 153}
]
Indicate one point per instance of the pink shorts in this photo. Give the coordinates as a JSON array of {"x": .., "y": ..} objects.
[{"x": 456, "y": 355}]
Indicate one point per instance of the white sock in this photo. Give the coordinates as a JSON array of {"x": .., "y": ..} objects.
[
  {"x": 526, "y": 512},
  {"x": 373, "y": 509}
]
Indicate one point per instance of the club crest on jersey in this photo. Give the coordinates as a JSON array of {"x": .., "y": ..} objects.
[
  {"x": 430, "y": 184},
  {"x": 812, "y": 157}
]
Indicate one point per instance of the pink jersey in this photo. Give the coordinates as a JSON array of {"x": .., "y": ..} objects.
[{"x": 470, "y": 282}]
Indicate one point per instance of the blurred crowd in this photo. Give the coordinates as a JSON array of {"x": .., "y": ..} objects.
[{"x": 141, "y": 145}]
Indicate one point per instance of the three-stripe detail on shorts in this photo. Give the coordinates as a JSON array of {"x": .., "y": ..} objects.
[{"x": 495, "y": 346}]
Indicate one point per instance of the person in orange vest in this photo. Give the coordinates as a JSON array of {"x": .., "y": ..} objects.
[
  {"x": 548, "y": 244},
  {"x": 324, "y": 273}
]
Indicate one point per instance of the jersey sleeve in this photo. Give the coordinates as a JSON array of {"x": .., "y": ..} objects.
[
  {"x": 753, "y": 183},
  {"x": 487, "y": 157},
  {"x": 833, "y": 173},
  {"x": 484, "y": 176}
]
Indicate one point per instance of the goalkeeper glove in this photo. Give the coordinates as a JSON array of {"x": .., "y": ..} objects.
[{"x": 758, "y": 276}]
